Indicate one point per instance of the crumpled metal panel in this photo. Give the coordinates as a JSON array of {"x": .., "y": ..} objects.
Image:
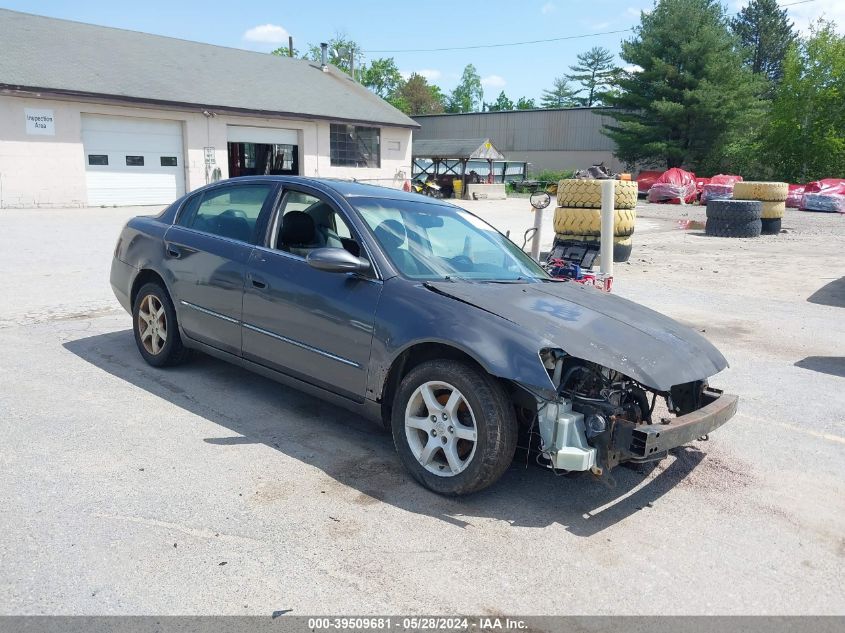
[{"x": 599, "y": 327}]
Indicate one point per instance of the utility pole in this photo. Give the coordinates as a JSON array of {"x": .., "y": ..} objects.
[{"x": 290, "y": 46}]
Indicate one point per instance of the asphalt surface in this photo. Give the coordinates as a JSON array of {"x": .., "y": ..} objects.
[{"x": 208, "y": 490}]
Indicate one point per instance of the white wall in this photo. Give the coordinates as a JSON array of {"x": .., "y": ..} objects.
[{"x": 49, "y": 171}]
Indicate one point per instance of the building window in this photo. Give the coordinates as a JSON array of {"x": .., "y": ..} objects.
[
  {"x": 98, "y": 159},
  {"x": 135, "y": 161},
  {"x": 354, "y": 146},
  {"x": 168, "y": 161}
]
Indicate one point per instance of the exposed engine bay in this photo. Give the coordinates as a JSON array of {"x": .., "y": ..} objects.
[{"x": 602, "y": 417}]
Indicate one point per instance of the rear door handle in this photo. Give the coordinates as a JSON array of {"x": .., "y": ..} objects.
[
  {"x": 174, "y": 251},
  {"x": 257, "y": 282}
]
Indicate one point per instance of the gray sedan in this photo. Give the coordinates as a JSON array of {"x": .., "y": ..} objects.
[{"x": 420, "y": 315}]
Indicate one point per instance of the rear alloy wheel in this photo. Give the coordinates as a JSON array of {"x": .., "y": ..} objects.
[
  {"x": 152, "y": 324},
  {"x": 453, "y": 427},
  {"x": 156, "y": 331}
]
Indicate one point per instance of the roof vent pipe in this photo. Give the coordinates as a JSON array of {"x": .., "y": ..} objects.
[{"x": 324, "y": 54}]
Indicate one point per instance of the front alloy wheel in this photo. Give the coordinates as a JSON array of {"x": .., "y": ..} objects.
[
  {"x": 453, "y": 426},
  {"x": 440, "y": 428}
]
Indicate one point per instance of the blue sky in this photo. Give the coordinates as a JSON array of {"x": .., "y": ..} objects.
[{"x": 393, "y": 25}]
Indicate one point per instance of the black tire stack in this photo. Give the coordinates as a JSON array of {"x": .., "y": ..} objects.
[{"x": 734, "y": 218}]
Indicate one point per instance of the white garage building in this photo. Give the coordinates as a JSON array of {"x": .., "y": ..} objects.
[{"x": 93, "y": 116}]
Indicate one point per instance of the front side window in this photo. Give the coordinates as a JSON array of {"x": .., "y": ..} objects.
[
  {"x": 134, "y": 161},
  {"x": 427, "y": 241},
  {"x": 228, "y": 212},
  {"x": 354, "y": 146},
  {"x": 306, "y": 222}
]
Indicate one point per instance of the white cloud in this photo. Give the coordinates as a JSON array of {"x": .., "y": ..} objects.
[
  {"x": 429, "y": 73},
  {"x": 267, "y": 34},
  {"x": 547, "y": 8},
  {"x": 806, "y": 14},
  {"x": 493, "y": 81},
  {"x": 632, "y": 68}
]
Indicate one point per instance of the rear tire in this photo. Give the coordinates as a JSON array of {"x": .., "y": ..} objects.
[
  {"x": 734, "y": 211},
  {"x": 155, "y": 327},
  {"x": 771, "y": 226},
  {"x": 721, "y": 228},
  {"x": 453, "y": 426}
]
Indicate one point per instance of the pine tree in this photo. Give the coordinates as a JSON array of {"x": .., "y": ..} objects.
[
  {"x": 595, "y": 71},
  {"x": 690, "y": 92},
  {"x": 765, "y": 33},
  {"x": 560, "y": 96}
]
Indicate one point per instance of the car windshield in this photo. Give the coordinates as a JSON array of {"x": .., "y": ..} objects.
[{"x": 435, "y": 241}]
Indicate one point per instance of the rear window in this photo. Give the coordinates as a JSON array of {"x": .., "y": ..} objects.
[{"x": 230, "y": 212}]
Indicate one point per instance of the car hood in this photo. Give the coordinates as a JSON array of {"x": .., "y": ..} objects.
[{"x": 596, "y": 326}]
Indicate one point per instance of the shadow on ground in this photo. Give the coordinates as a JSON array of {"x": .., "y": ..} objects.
[
  {"x": 832, "y": 294},
  {"x": 833, "y": 365},
  {"x": 359, "y": 454}
]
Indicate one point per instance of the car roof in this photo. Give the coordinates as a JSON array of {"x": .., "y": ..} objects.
[{"x": 345, "y": 188}]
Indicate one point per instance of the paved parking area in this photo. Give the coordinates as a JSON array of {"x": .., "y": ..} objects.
[{"x": 207, "y": 489}]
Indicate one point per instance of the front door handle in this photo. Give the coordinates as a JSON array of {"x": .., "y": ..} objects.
[{"x": 257, "y": 282}]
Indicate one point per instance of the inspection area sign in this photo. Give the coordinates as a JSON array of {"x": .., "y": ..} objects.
[{"x": 40, "y": 122}]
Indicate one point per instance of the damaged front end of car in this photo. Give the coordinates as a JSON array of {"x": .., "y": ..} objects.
[{"x": 600, "y": 417}]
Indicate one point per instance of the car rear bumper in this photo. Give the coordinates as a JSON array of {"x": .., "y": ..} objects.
[{"x": 645, "y": 441}]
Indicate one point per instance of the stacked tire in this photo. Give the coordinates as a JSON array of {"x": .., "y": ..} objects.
[
  {"x": 734, "y": 218},
  {"x": 578, "y": 214},
  {"x": 772, "y": 195}
]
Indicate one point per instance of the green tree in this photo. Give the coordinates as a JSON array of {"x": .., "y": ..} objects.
[
  {"x": 524, "y": 103},
  {"x": 805, "y": 136},
  {"x": 692, "y": 92},
  {"x": 595, "y": 72},
  {"x": 382, "y": 76},
  {"x": 468, "y": 95},
  {"x": 284, "y": 51},
  {"x": 417, "y": 96},
  {"x": 501, "y": 103},
  {"x": 560, "y": 96},
  {"x": 765, "y": 32}
]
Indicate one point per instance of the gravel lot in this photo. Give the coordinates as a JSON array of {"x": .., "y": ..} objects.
[{"x": 207, "y": 489}]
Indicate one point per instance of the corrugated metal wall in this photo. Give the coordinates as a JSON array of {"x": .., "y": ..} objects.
[{"x": 554, "y": 139}]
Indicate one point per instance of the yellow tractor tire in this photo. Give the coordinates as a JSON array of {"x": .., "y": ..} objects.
[
  {"x": 773, "y": 210},
  {"x": 586, "y": 194},
  {"x": 765, "y": 191},
  {"x": 577, "y": 221}
]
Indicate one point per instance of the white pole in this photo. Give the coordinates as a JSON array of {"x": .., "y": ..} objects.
[
  {"x": 535, "y": 241},
  {"x": 608, "y": 193}
]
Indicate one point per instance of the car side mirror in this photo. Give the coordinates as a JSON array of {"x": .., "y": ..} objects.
[{"x": 336, "y": 260}]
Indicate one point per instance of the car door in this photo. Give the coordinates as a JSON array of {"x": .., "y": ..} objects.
[
  {"x": 311, "y": 324},
  {"x": 206, "y": 254}
]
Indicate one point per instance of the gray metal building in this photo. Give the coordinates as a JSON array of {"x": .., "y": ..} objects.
[{"x": 567, "y": 138}]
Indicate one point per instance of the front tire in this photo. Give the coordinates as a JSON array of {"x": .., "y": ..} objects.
[
  {"x": 155, "y": 327},
  {"x": 453, "y": 427}
]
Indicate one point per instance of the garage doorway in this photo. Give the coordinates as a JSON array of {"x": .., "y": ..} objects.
[{"x": 257, "y": 151}]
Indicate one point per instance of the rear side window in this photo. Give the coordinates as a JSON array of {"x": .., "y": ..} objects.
[{"x": 230, "y": 212}]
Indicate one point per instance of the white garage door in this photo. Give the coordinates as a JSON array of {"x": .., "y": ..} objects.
[{"x": 132, "y": 161}]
